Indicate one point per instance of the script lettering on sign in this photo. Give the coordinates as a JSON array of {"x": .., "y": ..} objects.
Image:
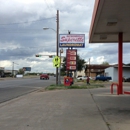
[{"x": 72, "y": 40}]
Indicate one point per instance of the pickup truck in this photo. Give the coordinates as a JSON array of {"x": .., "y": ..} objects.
[{"x": 103, "y": 78}]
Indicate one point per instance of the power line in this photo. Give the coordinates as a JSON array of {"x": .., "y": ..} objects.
[
  {"x": 47, "y": 5},
  {"x": 31, "y": 47},
  {"x": 28, "y": 21},
  {"x": 20, "y": 31}
]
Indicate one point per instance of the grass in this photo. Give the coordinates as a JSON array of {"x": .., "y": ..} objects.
[
  {"x": 53, "y": 87},
  {"x": 76, "y": 85}
]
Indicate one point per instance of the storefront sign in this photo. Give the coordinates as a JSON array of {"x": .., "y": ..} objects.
[{"x": 72, "y": 40}]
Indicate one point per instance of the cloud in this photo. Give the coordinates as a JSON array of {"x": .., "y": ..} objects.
[{"x": 22, "y": 35}]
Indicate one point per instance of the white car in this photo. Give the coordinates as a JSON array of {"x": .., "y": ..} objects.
[{"x": 84, "y": 78}]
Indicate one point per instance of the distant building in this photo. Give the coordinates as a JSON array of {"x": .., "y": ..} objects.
[
  {"x": 9, "y": 72},
  {"x": 107, "y": 70},
  {"x": 113, "y": 72},
  {"x": 93, "y": 70},
  {"x": 6, "y": 73},
  {"x": 1, "y": 71}
]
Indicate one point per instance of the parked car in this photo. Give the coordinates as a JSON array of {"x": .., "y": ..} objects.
[
  {"x": 83, "y": 78},
  {"x": 103, "y": 78},
  {"x": 126, "y": 79},
  {"x": 44, "y": 76},
  {"x": 79, "y": 76},
  {"x": 2, "y": 76}
]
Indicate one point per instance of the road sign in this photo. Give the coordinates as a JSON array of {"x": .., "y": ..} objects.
[{"x": 56, "y": 61}]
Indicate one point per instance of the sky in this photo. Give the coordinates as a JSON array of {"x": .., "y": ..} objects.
[{"x": 22, "y": 35}]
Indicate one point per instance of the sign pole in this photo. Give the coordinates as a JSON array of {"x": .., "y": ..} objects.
[{"x": 57, "y": 46}]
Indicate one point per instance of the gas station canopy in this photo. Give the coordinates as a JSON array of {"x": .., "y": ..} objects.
[
  {"x": 110, "y": 24},
  {"x": 110, "y": 17}
]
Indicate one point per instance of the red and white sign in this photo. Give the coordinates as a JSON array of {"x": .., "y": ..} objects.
[
  {"x": 72, "y": 38},
  {"x": 71, "y": 59},
  {"x": 71, "y": 52},
  {"x": 72, "y": 62},
  {"x": 71, "y": 68}
]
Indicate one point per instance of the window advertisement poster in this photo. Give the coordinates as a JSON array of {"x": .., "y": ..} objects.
[
  {"x": 72, "y": 40},
  {"x": 71, "y": 61}
]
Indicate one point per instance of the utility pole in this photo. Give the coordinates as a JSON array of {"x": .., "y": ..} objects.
[
  {"x": 61, "y": 51},
  {"x": 57, "y": 45},
  {"x": 57, "y": 42},
  {"x": 13, "y": 68},
  {"x": 89, "y": 67}
]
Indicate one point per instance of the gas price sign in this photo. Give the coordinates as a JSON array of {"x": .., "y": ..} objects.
[{"x": 71, "y": 59}]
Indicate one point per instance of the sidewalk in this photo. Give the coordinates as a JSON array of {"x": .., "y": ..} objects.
[
  {"x": 85, "y": 109},
  {"x": 115, "y": 108}
]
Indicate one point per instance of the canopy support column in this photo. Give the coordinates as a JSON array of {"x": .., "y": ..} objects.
[{"x": 120, "y": 53}]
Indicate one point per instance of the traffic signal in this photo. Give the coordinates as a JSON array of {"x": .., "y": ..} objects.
[
  {"x": 50, "y": 56},
  {"x": 38, "y": 55}
]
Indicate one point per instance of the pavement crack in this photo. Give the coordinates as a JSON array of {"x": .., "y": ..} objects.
[{"x": 103, "y": 117}]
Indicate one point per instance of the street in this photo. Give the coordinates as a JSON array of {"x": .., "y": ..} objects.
[{"x": 13, "y": 88}]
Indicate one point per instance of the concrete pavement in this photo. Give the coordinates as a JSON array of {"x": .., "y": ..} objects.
[
  {"x": 86, "y": 109},
  {"x": 11, "y": 78},
  {"x": 115, "y": 108}
]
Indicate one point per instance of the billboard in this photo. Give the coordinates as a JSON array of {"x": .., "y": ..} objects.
[
  {"x": 26, "y": 68},
  {"x": 71, "y": 61},
  {"x": 72, "y": 40}
]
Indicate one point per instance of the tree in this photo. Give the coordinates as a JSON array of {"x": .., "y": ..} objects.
[
  {"x": 105, "y": 63},
  {"x": 21, "y": 71},
  {"x": 80, "y": 64}
]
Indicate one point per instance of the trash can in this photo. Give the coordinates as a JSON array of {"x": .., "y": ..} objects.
[
  {"x": 71, "y": 80},
  {"x": 67, "y": 81}
]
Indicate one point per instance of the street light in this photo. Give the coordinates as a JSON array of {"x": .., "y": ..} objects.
[
  {"x": 13, "y": 68},
  {"x": 57, "y": 37},
  {"x": 46, "y": 28},
  {"x": 57, "y": 49}
]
